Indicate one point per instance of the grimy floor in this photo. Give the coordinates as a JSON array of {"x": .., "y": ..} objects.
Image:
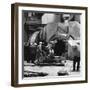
[{"x": 51, "y": 70}]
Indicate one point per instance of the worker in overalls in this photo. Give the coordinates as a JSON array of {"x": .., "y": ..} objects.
[{"x": 76, "y": 59}]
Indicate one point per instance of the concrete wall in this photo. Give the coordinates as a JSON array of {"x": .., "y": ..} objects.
[{"x": 50, "y": 18}]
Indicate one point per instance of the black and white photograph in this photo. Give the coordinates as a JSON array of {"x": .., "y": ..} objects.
[{"x": 51, "y": 46}]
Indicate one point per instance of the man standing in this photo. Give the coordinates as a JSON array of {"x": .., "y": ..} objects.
[{"x": 76, "y": 59}]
